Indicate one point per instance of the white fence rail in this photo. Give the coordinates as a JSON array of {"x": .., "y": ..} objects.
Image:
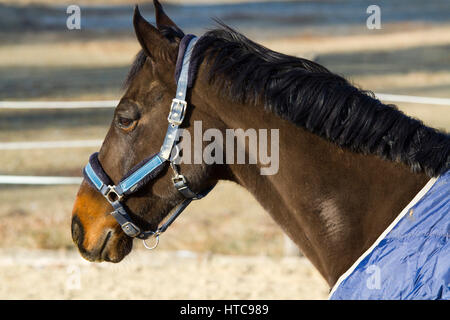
[
  {"x": 413, "y": 99},
  {"x": 37, "y": 180},
  {"x": 58, "y": 104},
  {"x": 113, "y": 103},
  {"x": 45, "y": 180},
  {"x": 49, "y": 144}
]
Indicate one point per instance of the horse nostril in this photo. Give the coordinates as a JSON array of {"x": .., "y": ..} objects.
[{"x": 77, "y": 230}]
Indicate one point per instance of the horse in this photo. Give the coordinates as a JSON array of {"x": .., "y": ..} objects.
[{"x": 348, "y": 163}]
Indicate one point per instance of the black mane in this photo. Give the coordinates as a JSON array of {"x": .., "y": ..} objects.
[
  {"x": 310, "y": 96},
  {"x": 324, "y": 103}
]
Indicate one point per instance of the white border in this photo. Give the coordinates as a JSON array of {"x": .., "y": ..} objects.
[{"x": 418, "y": 196}]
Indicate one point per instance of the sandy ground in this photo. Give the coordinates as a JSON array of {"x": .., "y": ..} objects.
[{"x": 157, "y": 275}]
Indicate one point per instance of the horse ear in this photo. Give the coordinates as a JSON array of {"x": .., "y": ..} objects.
[
  {"x": 154, "y": 44},
  {"x": 161, "y": 17}
]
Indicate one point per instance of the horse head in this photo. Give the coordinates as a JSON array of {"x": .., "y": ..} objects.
[{"x": 138, "y": 129}]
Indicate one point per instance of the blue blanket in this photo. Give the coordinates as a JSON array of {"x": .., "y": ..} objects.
[{"x": 412, "y": 260}]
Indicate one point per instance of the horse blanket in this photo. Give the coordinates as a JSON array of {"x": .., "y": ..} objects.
[{"x": 411, "y": 259}]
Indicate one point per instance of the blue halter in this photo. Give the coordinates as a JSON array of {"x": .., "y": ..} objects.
[{"x": 149, "y": 168}]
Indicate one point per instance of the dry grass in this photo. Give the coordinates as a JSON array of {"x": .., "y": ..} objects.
[
  {"x": 157, "y": 275},
  {"x": 98, "y": 53},
  {"x": 51, "y": 162}
]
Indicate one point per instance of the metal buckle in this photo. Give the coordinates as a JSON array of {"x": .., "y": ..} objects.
[
  {"x": 177, "y": 111},
  {"x": 130, "y": 229},
  {"x": 179, "y": 178},
  {"x": 112, "y": 195}
]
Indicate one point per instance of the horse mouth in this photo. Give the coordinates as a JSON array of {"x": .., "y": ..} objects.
[
  {"x": 104, "y": 253},
  {"x": 112, "y": 248}
]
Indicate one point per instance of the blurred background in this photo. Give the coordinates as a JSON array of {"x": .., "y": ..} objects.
[{"x": 225, "y": 246}]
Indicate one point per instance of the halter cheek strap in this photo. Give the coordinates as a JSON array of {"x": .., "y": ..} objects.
[{"x": 149, "y": 168}]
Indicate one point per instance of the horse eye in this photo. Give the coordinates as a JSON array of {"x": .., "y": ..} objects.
[{"x": 125, "y": 123}]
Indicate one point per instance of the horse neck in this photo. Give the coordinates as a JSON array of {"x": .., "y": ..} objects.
[{"x": 333, "y": 203}]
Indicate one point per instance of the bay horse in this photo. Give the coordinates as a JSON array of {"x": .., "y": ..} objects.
[{"x": 348, "y": 164}]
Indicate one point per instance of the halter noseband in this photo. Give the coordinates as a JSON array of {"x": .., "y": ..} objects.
[{"x": 149, "y": 168}]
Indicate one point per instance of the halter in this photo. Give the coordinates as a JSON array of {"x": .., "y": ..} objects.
[{"x": 149, "y": 168}]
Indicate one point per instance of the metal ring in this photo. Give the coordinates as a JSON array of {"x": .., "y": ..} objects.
[
  {"x": 154, "y": 245},
  {"x": 176, "y": 153}
]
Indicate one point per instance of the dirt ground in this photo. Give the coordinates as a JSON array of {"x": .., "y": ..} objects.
[{"x": 157, "y": 275}]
